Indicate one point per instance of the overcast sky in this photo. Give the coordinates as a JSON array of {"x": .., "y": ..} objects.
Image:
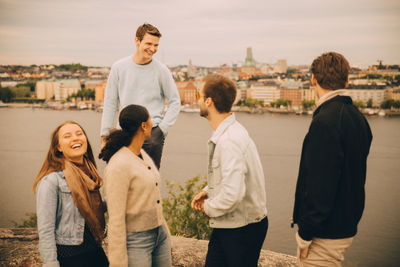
[{"x": 209, "y": 32}]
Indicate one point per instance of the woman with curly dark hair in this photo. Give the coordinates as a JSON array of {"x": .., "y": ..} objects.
[{"x": 137, "y": 232}]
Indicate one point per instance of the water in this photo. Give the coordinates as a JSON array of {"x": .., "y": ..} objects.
[{"x": 25, "y": 137}]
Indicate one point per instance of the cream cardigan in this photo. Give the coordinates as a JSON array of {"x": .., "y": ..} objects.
[{"x": 133, "y": 199}]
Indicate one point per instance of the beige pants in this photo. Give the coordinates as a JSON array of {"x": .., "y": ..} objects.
[{"x": 325, "y": 252}]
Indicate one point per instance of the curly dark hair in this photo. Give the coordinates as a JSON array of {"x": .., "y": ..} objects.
[
  {"x": 331, "y": 70},
  {"x": 130, "y": 119}
]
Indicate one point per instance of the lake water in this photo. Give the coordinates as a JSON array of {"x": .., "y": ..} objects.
[{"x": 25, "y": 137}]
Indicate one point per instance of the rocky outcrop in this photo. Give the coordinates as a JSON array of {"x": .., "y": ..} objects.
[{"x": 19, "y": 247}]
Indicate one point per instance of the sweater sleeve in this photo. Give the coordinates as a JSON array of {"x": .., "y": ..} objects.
[
  {"x": 174, "y": 102},
  {"x": 117, "y": 187},
  {"x": 323, "y": 158},
  {"x": 111, "y": 100}
]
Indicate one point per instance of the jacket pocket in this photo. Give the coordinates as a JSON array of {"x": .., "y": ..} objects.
[{"x": 216, "y": 173}]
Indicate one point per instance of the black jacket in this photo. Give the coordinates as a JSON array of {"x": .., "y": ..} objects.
[{"x": 330, "y": 195}]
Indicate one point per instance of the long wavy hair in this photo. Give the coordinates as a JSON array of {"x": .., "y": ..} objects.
[
  {"x": 130, "y": 119},
  {"x": 54, "y": 160}
]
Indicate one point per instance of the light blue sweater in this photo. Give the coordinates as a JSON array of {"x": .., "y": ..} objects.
[{"x": 147, "y": 85}]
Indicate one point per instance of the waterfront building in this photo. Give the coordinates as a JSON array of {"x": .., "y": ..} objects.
[
  {"x": 44, "y": 90},
  {"x": 65, "y": 88},
  {"x": 266, "y": 93},
  {"x": 394, "y": 93},
  {"x": 99, "y": 91},
  {"x": 377, "y": 94},
  {"x": 293, "y": 91},
  {"x": 308, "y": 94},
  {"x": 187, "y": 92},
  {"x": 60, "y": 89}
]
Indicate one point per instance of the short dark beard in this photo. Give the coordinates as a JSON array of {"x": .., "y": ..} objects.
[{"x": 204, "y": 113}]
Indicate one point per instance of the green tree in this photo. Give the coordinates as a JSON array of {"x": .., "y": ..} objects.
[
  {"x": 31, "y": 222},
  {"x": 308, "y": 104},
  {"x": 359, "y": 104},
  {"x": 387, "y": 104},
  {"x": 21, "y": 91},
  {"x": 31, "y": 85},
  {"x": 369, "y": 103},
  {"x": 181, "y": 218},
  {"x": 6, "y": 94},
  {"x": 283, "y": 102},
  {"x": 289, "y": 72}
]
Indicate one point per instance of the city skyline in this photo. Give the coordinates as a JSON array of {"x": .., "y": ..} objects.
[{"x": 210, "y": 33}]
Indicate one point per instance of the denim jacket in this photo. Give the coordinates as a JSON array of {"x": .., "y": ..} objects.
[
  {"x": 236, "y": 183},
  {"x": 59, "y": 220}
]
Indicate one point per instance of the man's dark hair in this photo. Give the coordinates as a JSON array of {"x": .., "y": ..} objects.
[
  {"x": 147, "y": 28},
  {"x": 221, "y": 90},
  {"x": 331, "y": 70}
]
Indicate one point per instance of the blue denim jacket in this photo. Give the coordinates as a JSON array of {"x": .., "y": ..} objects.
[{"x": 59, "y": 220}]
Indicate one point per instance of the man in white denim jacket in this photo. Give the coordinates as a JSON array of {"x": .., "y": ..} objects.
[{"x": 235, "y": 197}]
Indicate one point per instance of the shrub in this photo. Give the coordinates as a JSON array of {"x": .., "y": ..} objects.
[
  {"x": 31, "y": 222},
  {"x": 181, "y": 218}
]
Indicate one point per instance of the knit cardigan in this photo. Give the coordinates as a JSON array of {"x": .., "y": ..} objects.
[{"x": 133, "y": 198}]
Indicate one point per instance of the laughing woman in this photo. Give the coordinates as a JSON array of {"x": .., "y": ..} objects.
[
  {"x": 69, "y": 206},
  {"x": 137, "y": 232}
]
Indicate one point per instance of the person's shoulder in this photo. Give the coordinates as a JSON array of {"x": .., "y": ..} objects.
[
  {"x": 235, "y": 134},
  {"x": 122, "y": 159},
  {"x": 52, "y": 178},
  {"x": 122, "y": 62},
  {"x": 159, "y": 65}
]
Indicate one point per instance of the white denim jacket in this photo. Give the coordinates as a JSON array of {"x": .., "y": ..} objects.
[{"x": 236, "y": 183}]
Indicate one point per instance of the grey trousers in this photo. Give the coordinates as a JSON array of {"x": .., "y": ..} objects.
[{"x": 154, "y": 145}]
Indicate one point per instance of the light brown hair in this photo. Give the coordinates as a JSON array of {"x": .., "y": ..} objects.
[
  {"x": 221, "y": 90},
  {"x": 147, "y": 28},
  {"x": 54, "y": 160},
  {"x": 331, "y": 70}
]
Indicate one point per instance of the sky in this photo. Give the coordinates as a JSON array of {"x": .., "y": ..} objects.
[{"x": 208, "y": 32}]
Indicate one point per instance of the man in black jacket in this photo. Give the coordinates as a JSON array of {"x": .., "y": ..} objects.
[{"x": 330, "y": 194}]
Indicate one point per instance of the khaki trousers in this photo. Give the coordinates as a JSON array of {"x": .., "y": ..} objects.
[{"x": 325, "y": 252}]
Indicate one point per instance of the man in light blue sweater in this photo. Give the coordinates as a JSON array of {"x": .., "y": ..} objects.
[{"x": 142, "y": 80}]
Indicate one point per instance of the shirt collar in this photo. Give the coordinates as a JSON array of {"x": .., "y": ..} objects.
[
  {"x": 331, "y": 95},
  {"x": 222, "y": 127}
]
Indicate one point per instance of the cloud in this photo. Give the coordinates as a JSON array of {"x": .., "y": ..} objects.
[{"x": 208, "y": 31}]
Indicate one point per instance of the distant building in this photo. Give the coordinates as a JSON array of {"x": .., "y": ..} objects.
[
  {"x": 364, "y": 94},
  {"x": 249, "y": 65},
  {"x": 249, "y": 60},
  {"x": 65, "y": 88},
  {"x": 292, "y": 91},
  {"x": 281, "y": 66},
  {"x": 266, "y": 93},
  {"x": 394, "y": 93},
  {"x": 308, "y": 94},
  {"x": 187, "y": 91},
  {"x": 99, "y": 91},
  {"x": 191, "y": 70},
  {"x": 45, "y": 89},
  {"x": 60, "y": 89}
]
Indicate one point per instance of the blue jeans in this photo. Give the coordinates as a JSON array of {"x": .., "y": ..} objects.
[{"x": 149, "y": 248}]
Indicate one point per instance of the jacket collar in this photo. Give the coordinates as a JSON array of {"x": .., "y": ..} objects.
[
  {"x": 330, "y": 95},
  {"x": 222, "y": 127},
  {"x": 338, "y": 98}
]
